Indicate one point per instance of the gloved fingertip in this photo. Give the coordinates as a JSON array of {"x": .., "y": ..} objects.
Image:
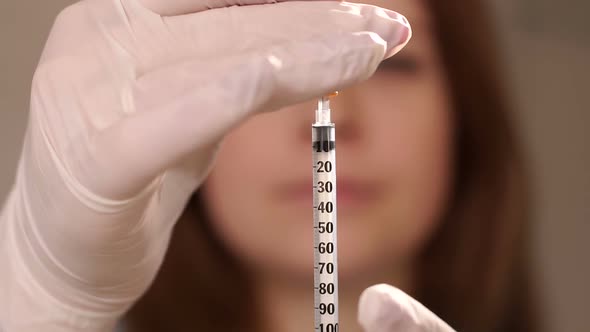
[
  {"x": 384, "y": 308},
  {"x": 378, "y": 309},
  {"x": 394, "y": 28},
  {"x": 402, "y": 38}
]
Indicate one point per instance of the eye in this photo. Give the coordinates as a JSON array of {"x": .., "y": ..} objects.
[{"x": 401, "y": 63}]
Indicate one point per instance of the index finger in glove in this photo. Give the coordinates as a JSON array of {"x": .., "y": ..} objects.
[
  {"x": 384, "y": 308},
  {"x": 186, "y": 106},
  {"x": 179, "y": 7}
]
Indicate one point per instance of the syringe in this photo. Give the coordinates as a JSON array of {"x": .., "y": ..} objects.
[{"x": 324, "y": 220}]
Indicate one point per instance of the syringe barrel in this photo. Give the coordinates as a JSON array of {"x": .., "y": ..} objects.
[{"x": 323, "y": 138}]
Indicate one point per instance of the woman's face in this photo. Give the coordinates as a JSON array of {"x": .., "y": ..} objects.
[{"x": 393, "y": 163}]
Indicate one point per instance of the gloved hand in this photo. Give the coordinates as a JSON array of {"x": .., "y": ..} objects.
[
  {"x": 384, "y": 308},
  {"x": 127, "y": 109}
]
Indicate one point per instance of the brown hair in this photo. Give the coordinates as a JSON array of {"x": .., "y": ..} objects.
[{"x": 473, "y": 273}]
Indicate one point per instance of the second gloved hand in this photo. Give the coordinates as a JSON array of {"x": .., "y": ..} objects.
[
  {"x": 384, "y": 308},
  {"x": 127, "y": 109}
]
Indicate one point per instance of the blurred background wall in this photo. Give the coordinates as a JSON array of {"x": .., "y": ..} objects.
[{"x": 547, "y": 50}]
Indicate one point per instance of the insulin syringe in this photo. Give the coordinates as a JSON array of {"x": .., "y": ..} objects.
[{"x": 324, "y": 220}]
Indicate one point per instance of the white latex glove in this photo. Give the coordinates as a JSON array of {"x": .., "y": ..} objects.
[
  {"x": 127, "y": 109},
  {"x": 384, "y": 308}
]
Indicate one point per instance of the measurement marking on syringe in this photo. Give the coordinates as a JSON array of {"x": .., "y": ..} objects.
[{"x": 325, "y": 221}]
